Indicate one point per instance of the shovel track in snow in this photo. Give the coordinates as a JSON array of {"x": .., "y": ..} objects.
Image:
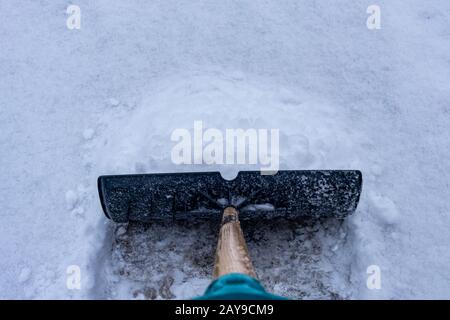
[{"x": 289, "y": 257}]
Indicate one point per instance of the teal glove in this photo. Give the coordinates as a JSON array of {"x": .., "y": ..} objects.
[{"x": 237, "y": 286}]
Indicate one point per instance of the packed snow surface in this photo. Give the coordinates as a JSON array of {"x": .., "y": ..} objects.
[{"x": 76, "y": 104}]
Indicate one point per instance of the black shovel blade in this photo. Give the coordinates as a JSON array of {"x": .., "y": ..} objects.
[{"x": 203, "y": 195}]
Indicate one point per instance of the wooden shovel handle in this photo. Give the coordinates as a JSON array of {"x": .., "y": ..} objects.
[{"x": 232, "y": 253}]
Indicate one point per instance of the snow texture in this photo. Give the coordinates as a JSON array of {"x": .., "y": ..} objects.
[{"x": 76, "y": 104}]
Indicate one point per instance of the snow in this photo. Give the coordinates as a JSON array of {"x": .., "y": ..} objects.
[
  {"x": 385, "y": 209},
  {"x": 113, "y": 102},
  {"x": 88, "y": 134},
  {"x": 24, "y": 275},
  {"x": 104, "y": 99}
]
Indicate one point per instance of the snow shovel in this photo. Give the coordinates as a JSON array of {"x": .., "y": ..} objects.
[{"x": 288, "y": 194}]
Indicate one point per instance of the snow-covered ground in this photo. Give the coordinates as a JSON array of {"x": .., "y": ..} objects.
[{"x": 75, "y": 104}]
